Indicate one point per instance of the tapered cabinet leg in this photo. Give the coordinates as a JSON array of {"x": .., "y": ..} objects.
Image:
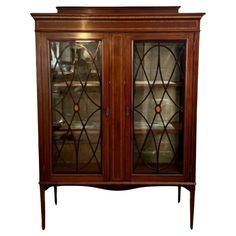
[
  {"x": 42, "y": 198},
  {"x": 179, "y": 193},
  {"x": 55, "y": 194},
  {"x": 192, "y": 198}
]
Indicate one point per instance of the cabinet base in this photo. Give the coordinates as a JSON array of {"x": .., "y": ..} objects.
[{"x": 122, "y": 186}]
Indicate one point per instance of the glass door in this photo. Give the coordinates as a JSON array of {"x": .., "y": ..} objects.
[
  {"x": 76, "y": 104},
  {"x": 158, "y": 106}
]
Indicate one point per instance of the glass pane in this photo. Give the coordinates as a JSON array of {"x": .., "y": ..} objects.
[
  {"x": 76, "y": 106},
  {"x": 158, "y": 85}
]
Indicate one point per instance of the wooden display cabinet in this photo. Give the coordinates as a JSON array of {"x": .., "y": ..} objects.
[{"x": 117, "y": 98}]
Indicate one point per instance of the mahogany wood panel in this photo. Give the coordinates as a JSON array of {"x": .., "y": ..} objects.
[
  {"x": 192, "y": 165},
  {"x": 151, "y": 10},
  {"x": 117, "y": 107},
  {"x": 40, "y": 106},
  {"x": 114, "y": 25},
  {"x": 178, "y": 16}
]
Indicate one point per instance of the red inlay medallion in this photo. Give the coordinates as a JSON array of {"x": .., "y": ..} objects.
[
  {"x": 76, "y": 107},
  {"x": 158, "y": 109}
]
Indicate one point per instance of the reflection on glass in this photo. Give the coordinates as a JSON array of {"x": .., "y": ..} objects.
[
  {"x": 158, "y": 81},
  {"x": 76, "y": 106}
]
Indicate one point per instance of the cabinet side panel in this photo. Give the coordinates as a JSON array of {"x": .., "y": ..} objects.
[
  {"x": 46, "y": 111},
  {"x": 42, "y": 166},
  {"x": 188, "y": 108},
  {"x": 194, "y": 105}
]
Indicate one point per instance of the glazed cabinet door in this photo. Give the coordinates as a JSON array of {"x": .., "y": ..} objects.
[
  {"x": 159, "y": 91},
  {"x": 77, "y": 102}
]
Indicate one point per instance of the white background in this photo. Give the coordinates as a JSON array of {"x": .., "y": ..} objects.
[{"x": 146, "y": 211}]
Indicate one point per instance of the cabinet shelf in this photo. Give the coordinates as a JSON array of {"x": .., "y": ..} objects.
[
  {"x": 158, "y": 83},
  {"x": 58, "y": 83},
  {"x": 76, "y": 132},
  {"x": 75, "y": 83},
  {"x": 172, "y": 128},
  {"x": 172, "y": 168},
  {"x": 71, "y": 168},
  {"x": 68, "y": 75},
  {"x": 76, "y": 129}
]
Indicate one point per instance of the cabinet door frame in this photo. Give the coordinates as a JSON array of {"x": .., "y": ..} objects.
[
  {"x": 189, "y": 104},
  {"x": 44, "y": 106}
]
